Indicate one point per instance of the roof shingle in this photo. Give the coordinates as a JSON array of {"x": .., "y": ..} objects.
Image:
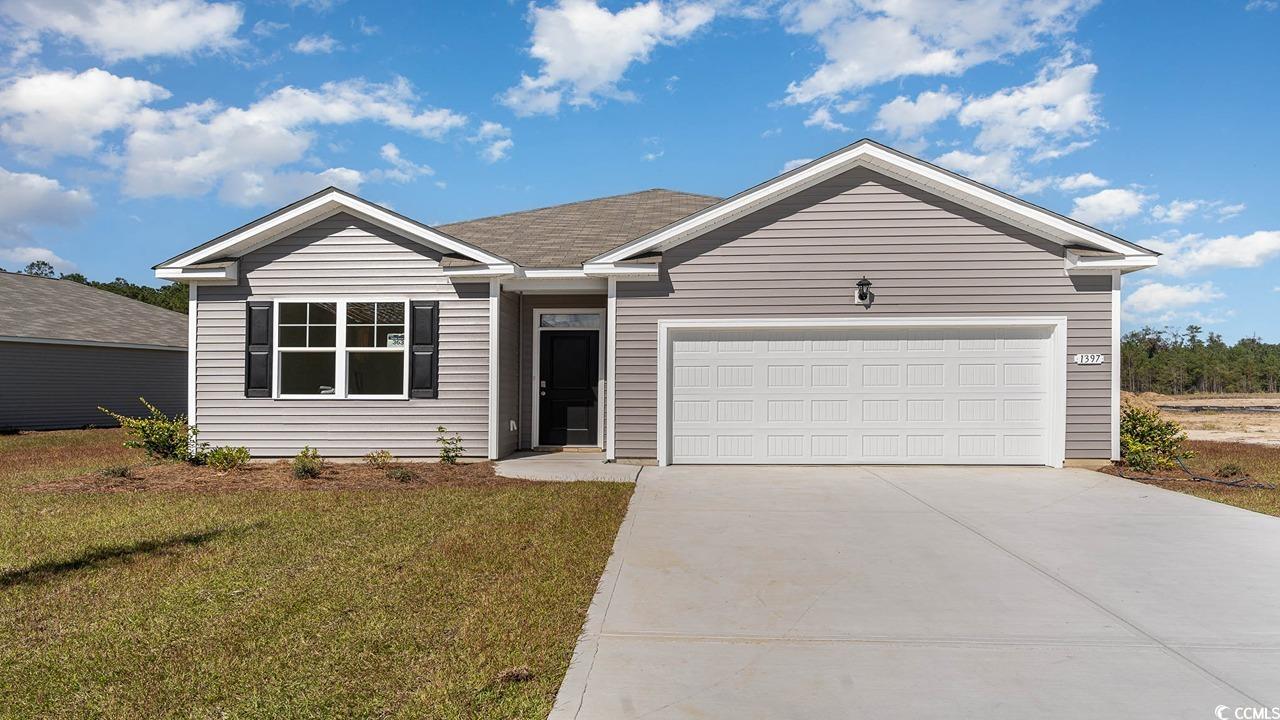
[
  {"x": 45, "y": 308},
  {"x": 563, "y": 236}
]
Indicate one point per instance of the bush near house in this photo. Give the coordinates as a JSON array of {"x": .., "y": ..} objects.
[
  {"x": 1148, "y": 442},
  {"x": 307, "y": 463},
  {"x": 161, "y": 437}
]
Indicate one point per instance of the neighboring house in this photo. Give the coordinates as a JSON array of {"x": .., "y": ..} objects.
[
  {"x": 67, "y": 348},
  {"x": 673, "y": 326}
]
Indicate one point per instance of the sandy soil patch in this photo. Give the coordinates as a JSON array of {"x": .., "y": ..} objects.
[{"x": 1222, "y": 418}]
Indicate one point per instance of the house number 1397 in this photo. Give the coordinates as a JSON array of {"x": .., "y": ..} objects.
[{"x": 1090, "y": 359}]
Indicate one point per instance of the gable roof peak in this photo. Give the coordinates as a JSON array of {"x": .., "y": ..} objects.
[{"x": 887, "y": 161}]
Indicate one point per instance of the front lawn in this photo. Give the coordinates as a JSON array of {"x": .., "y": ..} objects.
[
  {"x": 284, "y": 602},
  {"x": 1260, "y": 462}
]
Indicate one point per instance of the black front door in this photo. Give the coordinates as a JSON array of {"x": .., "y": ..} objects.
[{"x": 567, "y": 403}]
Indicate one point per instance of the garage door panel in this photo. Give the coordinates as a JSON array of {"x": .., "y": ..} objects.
[{"x": 850, "y": 396}]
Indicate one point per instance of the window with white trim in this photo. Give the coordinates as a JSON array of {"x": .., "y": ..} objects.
[
  {"x": 375, "y": 348},
  {"x": 345, "y": 349}
]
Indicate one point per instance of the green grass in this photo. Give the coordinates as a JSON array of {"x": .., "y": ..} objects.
[
  {"x": 1261, "y": 462},
  {"x": 299, "y": 604}
]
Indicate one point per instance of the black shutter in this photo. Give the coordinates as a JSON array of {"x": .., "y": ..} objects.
[
  {"x": 424, "y": 330},
  {"x": 257, "y": 350}
]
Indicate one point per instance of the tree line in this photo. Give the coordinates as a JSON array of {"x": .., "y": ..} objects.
[
  {"x": 171, "y": 296},
  {"x": 1174, "y": 362}
]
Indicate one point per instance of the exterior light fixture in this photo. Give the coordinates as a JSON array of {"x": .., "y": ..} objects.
[{"x": 864, "y": 294}]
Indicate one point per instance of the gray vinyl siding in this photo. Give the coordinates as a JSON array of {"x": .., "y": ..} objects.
[
  {"x": 509, "y": 355},
  {"x": 343, "y": 258},
  {"x": 538, "y": 302},
  {"x": 924, "y": 255},
  {"x": 46, "y": 386}
]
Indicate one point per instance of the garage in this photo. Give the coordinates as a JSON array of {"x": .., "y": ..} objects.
[{"x": 986, "y": 391}]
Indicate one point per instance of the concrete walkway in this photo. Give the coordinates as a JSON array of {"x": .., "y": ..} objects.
[
  {"x": 565, "y": 466},
  {"x": 928, "y": 593}
]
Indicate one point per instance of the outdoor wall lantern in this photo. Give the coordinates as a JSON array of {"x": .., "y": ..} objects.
[{"x": 864, "y": 294}]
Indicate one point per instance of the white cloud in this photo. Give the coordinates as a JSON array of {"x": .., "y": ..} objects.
[
  {"x": 364, "y": 27},
  {"x": 17, "y": 258},
  {"x": 316, "y": 45},
  {"x": 1268, "y": 5},
  {"x": 1175, "y": 211},
  {"x": 585, "y": 50},
  {"x": 1109, "y": 206},
  {"x": 1226, "y": 212},
  {"x": 60, "y": 113},
  {"x": 997, "y": 169},
  {"x": 195, "y": 148},
  {"x": 402, "y": 169},
  {"x": 821, "y": 117},
  {"x": 871, "y": 41},
  {"x": 1083, "y": 181},
  {"x": 1053, "y": 152},
  {"x": 267, "y": 28},
  {"x": 771, "y": 132},
  {"x": 653, "y": 155},
  {"x": 1164, "y": 302},
  {"x": 1057, "y": 105},
  {"x": 497, "y": 150},
  {"x": 268, "y": 187},
  {"x": 496, "y": 139},
  {"x": 28, "y": 199},
  {"x": 790, "y": 165},
  {"x": 129, "y": 29},
  {"x": 907, "y": 118},
  {"x": 1193, "y": 253}
]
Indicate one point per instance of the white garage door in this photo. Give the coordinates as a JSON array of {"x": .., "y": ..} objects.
[{"x": 888, "y": 396}]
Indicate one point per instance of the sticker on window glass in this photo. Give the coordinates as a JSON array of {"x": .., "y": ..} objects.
[{"x": 395, "y": 339}]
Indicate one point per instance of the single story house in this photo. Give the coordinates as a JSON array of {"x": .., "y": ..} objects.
[
  {"x": 67, "y": 348},
  {"x": 867, "y": 307}
]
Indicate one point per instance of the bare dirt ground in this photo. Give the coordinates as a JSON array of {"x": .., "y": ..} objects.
[{"x": 1224, "y": 418}]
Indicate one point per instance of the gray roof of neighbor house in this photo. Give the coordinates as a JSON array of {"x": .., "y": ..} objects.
[
  {"x": 563, "y": 236},
  {"x": 67, "y": 311}
]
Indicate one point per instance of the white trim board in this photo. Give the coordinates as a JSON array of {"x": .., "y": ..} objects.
[
  {"x": 1115, "y": 364},
  {"x": 318, "y": 207},
  {"x": 495, "y": 365},
  {"x": 611, "y": 375},
  {"x": 192, "y": 335},
  {"x": 878, "y": 158},
  {"x": 1056, "y": 451},
  {"x": 536, "y": 369}
]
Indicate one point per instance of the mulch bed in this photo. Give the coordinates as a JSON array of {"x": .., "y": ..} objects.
[{"x": 172, "y": 476}]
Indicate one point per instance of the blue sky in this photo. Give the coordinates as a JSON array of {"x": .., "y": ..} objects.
[{"x": 133, "y": 129}]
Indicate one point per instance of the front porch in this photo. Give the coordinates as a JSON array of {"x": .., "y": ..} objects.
[{"x": 551, "y": 370}]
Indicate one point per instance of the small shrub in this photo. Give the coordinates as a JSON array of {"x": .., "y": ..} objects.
[
  {"x": 116, "y": 471},
  {"x": 1148, "y": 442},
  {"x": 161, "y": 437},
  {"x": 307, "y": 463},
  {"x": 1229, "y": 470},
  {"x": 226, "y": 458},
  {"x": 403, "y": 475},
  {"x": 450, "y": 446},
  {"x": 380, "y": 459}
]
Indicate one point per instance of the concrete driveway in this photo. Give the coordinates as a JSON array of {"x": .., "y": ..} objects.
[{"x": 897, "y": 592}]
